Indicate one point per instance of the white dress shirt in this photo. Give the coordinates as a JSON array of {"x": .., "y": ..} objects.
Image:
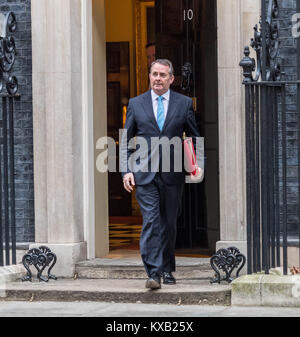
[{"x": 166, "y": 99}]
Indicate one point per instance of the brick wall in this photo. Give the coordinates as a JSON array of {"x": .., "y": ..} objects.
[
  {"x": 23, "y": 120},
  {"x": 288, "y": 58},
  {"x": 288, "y": 61},
  {"x": 288, "y": 45}
]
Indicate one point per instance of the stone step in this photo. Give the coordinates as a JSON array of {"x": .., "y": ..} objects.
[
  {"x": 186, "y": 268},
  {"x": 120, "y": 291}
]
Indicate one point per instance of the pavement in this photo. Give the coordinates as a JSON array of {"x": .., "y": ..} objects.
[{"x": 130, "y": 310}]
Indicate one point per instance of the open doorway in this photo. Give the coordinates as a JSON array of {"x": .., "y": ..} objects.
[{"x": 184, "y": 31}]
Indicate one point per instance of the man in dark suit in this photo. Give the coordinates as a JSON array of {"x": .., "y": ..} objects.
[{"x": 152, "y": 118}]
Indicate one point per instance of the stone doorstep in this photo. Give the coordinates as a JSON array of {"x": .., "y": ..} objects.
[
  {"x": 125, "y": 291},
  {"x": 266, "y": 290},
  {"x": 186, "y": 268},
  {"x": 186, "y": 291},
  {"x": 135, "y": 273},
  {"x": 202, "y": 263}
]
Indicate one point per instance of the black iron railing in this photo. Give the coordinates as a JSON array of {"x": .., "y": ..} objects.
[
  {"x": 270, "y": 230},
  {"x": 267, "y": 175},
  {"x": 7, "y": 184},
  {"x": 8, "y": 95}
]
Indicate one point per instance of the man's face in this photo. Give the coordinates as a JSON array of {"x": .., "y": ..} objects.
[
  {"x": 150, "y": 55},
  {"x": 160, "y": 79}
]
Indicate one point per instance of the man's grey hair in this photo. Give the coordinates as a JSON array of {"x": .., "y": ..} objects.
[{"x": 164, "y": 62}]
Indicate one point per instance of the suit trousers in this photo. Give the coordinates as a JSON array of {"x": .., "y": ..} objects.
[{"x": 159, "y": 205}]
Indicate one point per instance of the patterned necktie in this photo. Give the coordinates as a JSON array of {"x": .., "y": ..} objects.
[{"x": 160, "y": 113}]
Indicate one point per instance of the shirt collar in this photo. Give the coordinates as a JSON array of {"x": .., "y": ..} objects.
[{"x": 166, "y": 95}]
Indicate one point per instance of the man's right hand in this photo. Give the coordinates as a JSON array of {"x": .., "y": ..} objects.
[{"x": 128, "y": 181}]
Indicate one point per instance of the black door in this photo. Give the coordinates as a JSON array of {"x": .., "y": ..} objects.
[
  {"x": 117, "y": 96},
  {"x": 186, "y": 33}
]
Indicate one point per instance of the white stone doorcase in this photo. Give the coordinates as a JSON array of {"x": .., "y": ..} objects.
[{"x": 69, "y": 115}]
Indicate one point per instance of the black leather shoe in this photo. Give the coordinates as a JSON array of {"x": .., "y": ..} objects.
[
  {"x": 168, "y": 278},
  {"x": 153, "y": 283}
]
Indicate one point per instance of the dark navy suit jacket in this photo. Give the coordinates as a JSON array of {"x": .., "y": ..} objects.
[{"x": 141, "y": 123}]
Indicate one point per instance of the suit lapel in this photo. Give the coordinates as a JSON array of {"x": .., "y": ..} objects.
[
  {"x": 171, "y": 109},
  {"x": 148, "y": 106}
]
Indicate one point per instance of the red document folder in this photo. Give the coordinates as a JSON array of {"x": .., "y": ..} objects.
[{"x": 190, "y": 156}]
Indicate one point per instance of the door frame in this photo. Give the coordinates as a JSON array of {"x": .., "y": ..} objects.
[
  {"x": 142, "y": 81},
  {"x": 88, "y": 135},
  {"x": 95, "y": 193}
]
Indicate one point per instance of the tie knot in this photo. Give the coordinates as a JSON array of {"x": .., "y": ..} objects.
[{"x": 160, "y": 98}]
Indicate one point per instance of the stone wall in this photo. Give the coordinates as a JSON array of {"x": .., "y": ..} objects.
[{"x": 23, "y": 120}]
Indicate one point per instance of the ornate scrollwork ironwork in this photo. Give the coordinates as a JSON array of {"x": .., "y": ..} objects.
[
  {"x": 273, "y": 71},
  {"x": 8, "y": 53},
  {"x": 40, "y": 258},
  {"x": 227, "y": 260}
]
